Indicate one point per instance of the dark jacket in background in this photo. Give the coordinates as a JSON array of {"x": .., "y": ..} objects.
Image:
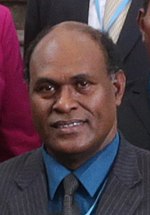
[
  {"x": 134, "y": 113},
  {"x": 50, "y": 12}
]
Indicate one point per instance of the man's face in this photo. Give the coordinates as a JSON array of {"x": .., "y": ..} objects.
[
  {"x": 73, "y": 97},
  {"x": 144, "y": 23}
]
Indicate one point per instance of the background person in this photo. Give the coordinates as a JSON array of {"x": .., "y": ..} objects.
[
  {"x": 17, "y": 134},
  {"x": 134, "y": 112},
  {"x": 50, "y": 12},
  {"x": 75, "y": 86}
]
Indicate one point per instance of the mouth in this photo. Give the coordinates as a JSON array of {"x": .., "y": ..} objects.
[{"x": 68, "y": 124}]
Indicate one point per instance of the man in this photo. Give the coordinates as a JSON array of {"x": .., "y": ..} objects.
[
  {"x": 50, "y": 12},
  {"x": 134, "y": 112},
  {"x": 75, "y": 85}
]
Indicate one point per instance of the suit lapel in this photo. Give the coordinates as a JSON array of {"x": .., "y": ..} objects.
[
  {"x": 130, "y": 32},
  {"x": 30, "y": 196},
  {"x": 122, "y": 192},
  {"x": 140, "y": 100}
]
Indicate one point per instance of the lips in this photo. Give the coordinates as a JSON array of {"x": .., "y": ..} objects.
[{"x": 68, "y": 124}]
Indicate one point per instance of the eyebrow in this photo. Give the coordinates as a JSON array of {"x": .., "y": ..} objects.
[
  {"x": 80, "y": 77},
  {"x": 45, "y": 80}
]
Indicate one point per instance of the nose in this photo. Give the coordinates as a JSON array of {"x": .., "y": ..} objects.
[{"x": 65, "y": 101}]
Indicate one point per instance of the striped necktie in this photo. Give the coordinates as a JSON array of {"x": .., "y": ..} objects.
[
  {"x": 70, "y": 186},
  {"x": 114, "y": 17}
]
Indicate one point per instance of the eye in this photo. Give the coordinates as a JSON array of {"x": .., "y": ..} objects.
[
  {"x": 46, "y": 89},
  {"x": 83, "y": 84}
]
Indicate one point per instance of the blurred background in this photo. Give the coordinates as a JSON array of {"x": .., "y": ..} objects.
[{"x": 18, "y": 8}]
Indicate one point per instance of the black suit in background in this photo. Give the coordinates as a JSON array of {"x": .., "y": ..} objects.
[
  {"x": 134, "y": 113},
  {"x": 41, "y": 13}
]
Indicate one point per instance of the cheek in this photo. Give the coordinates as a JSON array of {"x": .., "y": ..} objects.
[
  {"x": 147, "y": 40},
  {"x": 104, "y": 109},
  {"x": 103, "y": 101},
  {"x": 40, "y": 115},
  {"x": 146, "y": 29},
  {"x": 40, "y": 109}
]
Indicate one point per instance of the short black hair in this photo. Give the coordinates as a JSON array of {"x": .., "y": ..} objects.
[{"x": 110, "y": 49}]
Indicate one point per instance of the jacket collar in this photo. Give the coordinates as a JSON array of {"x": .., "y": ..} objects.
[
  {"x": 138, "y": 98},
  {"x": 121, "y": 194},
  {"x": 31, "y": 184},
  {"x": 130, "y": 33},
  {"x": 121, "y": 186}
]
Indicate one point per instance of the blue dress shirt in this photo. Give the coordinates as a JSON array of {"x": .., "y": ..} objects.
[{"x": 92, "y": 175}]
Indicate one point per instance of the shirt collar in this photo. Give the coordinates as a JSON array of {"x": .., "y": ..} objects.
[
  {"x": 87, "y": 174},
  {"x": 55, "y": 172},
  {"x": 93, "y": 173}
]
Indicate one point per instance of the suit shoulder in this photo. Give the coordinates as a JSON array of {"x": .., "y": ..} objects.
[
  {"x": 10, "y": 169},
  {"x": 14, "y": 171},
  {"x": 142, "y": 156}
]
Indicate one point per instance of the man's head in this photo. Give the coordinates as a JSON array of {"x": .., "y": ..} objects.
[
  {"x": 75, "y": 86},
  {"x": 144, "y": 22}
]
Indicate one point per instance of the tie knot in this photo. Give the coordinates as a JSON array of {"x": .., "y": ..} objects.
[{"x": 71, "y": 184}]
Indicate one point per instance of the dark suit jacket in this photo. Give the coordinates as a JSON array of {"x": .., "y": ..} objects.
[
  {"x": 23, "y": 184},
  {"x": 50, "y": 12},
  {"x": 134, "y": 113}
]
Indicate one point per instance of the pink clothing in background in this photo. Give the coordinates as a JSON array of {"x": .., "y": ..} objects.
[{"x": 17, "y": 134}]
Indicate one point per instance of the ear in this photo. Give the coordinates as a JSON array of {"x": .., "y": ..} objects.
[
  {"x": 119, "y": 82},
  {"x": 140, "y": 20}
]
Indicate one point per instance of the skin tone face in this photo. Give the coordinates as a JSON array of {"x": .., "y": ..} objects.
[
  {"x": 73, "y": 98},
  {"x": 144, "y": 23}
]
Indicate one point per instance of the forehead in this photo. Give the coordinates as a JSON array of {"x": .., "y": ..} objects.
[
  {"x": 67, "y": 50},
  {"x": 67, "y": 41}
]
